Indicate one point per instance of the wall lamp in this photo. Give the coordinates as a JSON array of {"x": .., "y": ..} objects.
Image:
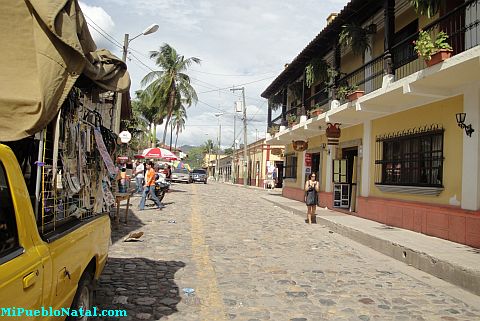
[{"x": 461, "y": 123}]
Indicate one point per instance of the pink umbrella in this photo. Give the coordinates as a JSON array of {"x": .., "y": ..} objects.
[{"x": 159, "y": 153}]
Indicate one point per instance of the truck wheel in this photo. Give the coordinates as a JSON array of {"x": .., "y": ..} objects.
[{"x": 84, "y": 296}]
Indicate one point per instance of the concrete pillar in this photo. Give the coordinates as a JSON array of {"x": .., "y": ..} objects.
[
  {"x": 366, "y": 158},
  {"x": 328, "y": 175},
  {"x": 471, "y": 151}
]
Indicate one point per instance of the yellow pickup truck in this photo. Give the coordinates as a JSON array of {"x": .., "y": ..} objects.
[{"x": 44, "y": 274}]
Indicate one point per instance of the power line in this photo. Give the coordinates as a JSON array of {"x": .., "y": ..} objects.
[
  {"x": 227, "y": 75},
  {"x": 119, "y": 43},
  {"x": 100, "y": 33}
]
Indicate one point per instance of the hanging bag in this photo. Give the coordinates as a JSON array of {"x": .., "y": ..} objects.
[{"x": 311, "y": 196}]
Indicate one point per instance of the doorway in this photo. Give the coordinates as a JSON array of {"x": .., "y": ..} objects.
[
  {"x": 345, "y": 179},
  {"x": 279, "y": 169}
]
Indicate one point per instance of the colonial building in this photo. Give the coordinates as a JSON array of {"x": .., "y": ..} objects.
[{"x": 407, "y": 152}]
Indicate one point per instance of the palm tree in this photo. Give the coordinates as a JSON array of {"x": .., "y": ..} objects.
[
  {"x": 150, "y": 110},
  {"x": 178, "y": 121},
  {"x": 170, "y": 84}
]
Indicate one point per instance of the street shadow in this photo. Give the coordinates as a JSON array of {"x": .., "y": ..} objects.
[
  {"x": 122, "y": 229},
  {"x": 176, "y": 191},
  {"x": 474, "y": 250},
  {"x": 139, "y": 286}
]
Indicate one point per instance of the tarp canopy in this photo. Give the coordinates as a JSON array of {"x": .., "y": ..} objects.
[{"x": 46, "y": 47}]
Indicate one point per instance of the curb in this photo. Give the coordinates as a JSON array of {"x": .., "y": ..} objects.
[{"x": 453, "y": 273}]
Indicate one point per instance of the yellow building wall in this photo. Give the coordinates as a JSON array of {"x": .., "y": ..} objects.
[
  {"x": 351, "y": 133},
  {"x": 378, "y": 43},
  {"x": 442, "y": 113},
  {"x": 350, "y": 62}
]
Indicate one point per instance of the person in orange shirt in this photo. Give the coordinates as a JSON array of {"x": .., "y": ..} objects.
[{"x": 149, "y": 187}]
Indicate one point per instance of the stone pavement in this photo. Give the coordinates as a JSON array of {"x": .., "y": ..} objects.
[
  {"x": 456, "y": 263},
  {"x": 219, "y": 252}
]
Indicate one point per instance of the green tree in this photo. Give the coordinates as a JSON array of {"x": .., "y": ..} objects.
[
  {"x": 148, "y": 108},
  {"x": 178, "y": 120},
  {"x": 209, "y": 147},
  {"x": 171, "y": 84},
  {"x": 196, "y": 156}
]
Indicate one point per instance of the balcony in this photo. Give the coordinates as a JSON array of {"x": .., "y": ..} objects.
[{"x": 413, "y": 83}]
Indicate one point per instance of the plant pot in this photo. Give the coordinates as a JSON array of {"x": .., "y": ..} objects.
[
  {"x": 300, "y": 145},
  {"x": 315, "y": 113},
  {"x": 355, "y": 95},
  {"x": 292, "y": 123},
  {"x": 438, "y": 57}
]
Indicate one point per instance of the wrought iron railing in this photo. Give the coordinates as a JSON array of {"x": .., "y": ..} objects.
[
  {"x": 367, "y": 77},
  {"x": 411, "y": 157},
  {"x": 462, "y": 27}
]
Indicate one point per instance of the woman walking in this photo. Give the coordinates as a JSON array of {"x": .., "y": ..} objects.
[{"x": 311, "y": 196}]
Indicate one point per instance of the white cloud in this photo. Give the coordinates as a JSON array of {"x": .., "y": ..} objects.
[
  {"x": 239, "y": 42},
  {"x": 99, "y": 21}
]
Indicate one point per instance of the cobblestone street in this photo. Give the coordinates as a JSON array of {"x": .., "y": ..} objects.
[{"x": 246, "y": 259}]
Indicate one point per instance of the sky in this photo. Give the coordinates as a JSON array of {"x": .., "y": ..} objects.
[{"x": 240, "y": 43}]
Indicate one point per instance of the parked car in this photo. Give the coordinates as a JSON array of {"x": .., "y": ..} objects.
[
  {"x": 200, "y": 175},
  {"x": 182, "y": 175}
]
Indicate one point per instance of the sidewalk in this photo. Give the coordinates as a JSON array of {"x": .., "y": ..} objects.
[{"x": 455, "y": 263}]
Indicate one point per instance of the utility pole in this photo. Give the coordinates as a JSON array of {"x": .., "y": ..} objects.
[
  {"x": 234, "y": 164},
  {"x": 126, "y": 41},
  {"x": 245, "y": 154},
  {"x": 118, "y": 102}
]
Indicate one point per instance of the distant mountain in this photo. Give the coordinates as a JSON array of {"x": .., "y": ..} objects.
[{"x": 186, "y": 148}]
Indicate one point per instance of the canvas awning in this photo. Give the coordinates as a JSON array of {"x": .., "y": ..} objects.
[{"x": 46, "y": 46}]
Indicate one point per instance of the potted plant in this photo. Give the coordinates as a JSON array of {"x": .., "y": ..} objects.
[
  {"x": 427, "y": 8},
  {"x": 349, "y": 92},
  {"x": 291, "y": 119},
  {"x": 300, "y": 145},
  {"x": 433, "y": 51},
  {"x": 315, "y": 70},
  {"x": 356, "y": 37},
  {"x": 354, "y": 93},
  {"x": 316, "y": 110},
  {"x": 273, "y": 130}
]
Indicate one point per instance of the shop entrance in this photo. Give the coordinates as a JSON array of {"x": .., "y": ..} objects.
[
  {"x": 279, "y": 169},
  {"x": 345, "y": 179}
]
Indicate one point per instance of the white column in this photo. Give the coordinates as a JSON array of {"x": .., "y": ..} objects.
[
  {"x": 471, "y": 151},
  {"x": 303, "y": 168},
  {"x": 366, "y": 148},
  {"x": 328, "y": 174}
]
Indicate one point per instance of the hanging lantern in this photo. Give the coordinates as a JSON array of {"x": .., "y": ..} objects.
[
  {"x": 299, "y": 145},
  {"x": 333, "y": 133}
]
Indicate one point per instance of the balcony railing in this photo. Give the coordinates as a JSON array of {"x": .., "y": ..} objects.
[
  {"x": 367, "y": 78},
  {"x": 462, "y": 25}
]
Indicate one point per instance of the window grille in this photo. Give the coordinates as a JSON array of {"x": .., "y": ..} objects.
[
  {"x": 291, "y": 166},
  {"x": 412, "y": 157}
]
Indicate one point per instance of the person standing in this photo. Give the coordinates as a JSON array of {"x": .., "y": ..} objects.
[
  {"x": 149, "y": 187},
  {"x": 311, "y": 196},
  {"x": 139, "y": 177}
]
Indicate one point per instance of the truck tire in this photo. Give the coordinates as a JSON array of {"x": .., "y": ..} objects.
[{"x": 83, "y": 297}]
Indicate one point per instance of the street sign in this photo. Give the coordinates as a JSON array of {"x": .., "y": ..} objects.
[
  {"x": 308, "y": 159},
  {"x": 125, "y": 136}
]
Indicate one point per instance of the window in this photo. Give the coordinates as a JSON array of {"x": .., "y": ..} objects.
[
  {"x": 8, "y": 224},
  {"x": 410, "y": 158},
  {"x": 291, "y": 166}
]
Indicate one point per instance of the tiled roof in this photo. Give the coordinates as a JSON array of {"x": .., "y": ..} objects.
[{"x": 317, "y": 45}]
